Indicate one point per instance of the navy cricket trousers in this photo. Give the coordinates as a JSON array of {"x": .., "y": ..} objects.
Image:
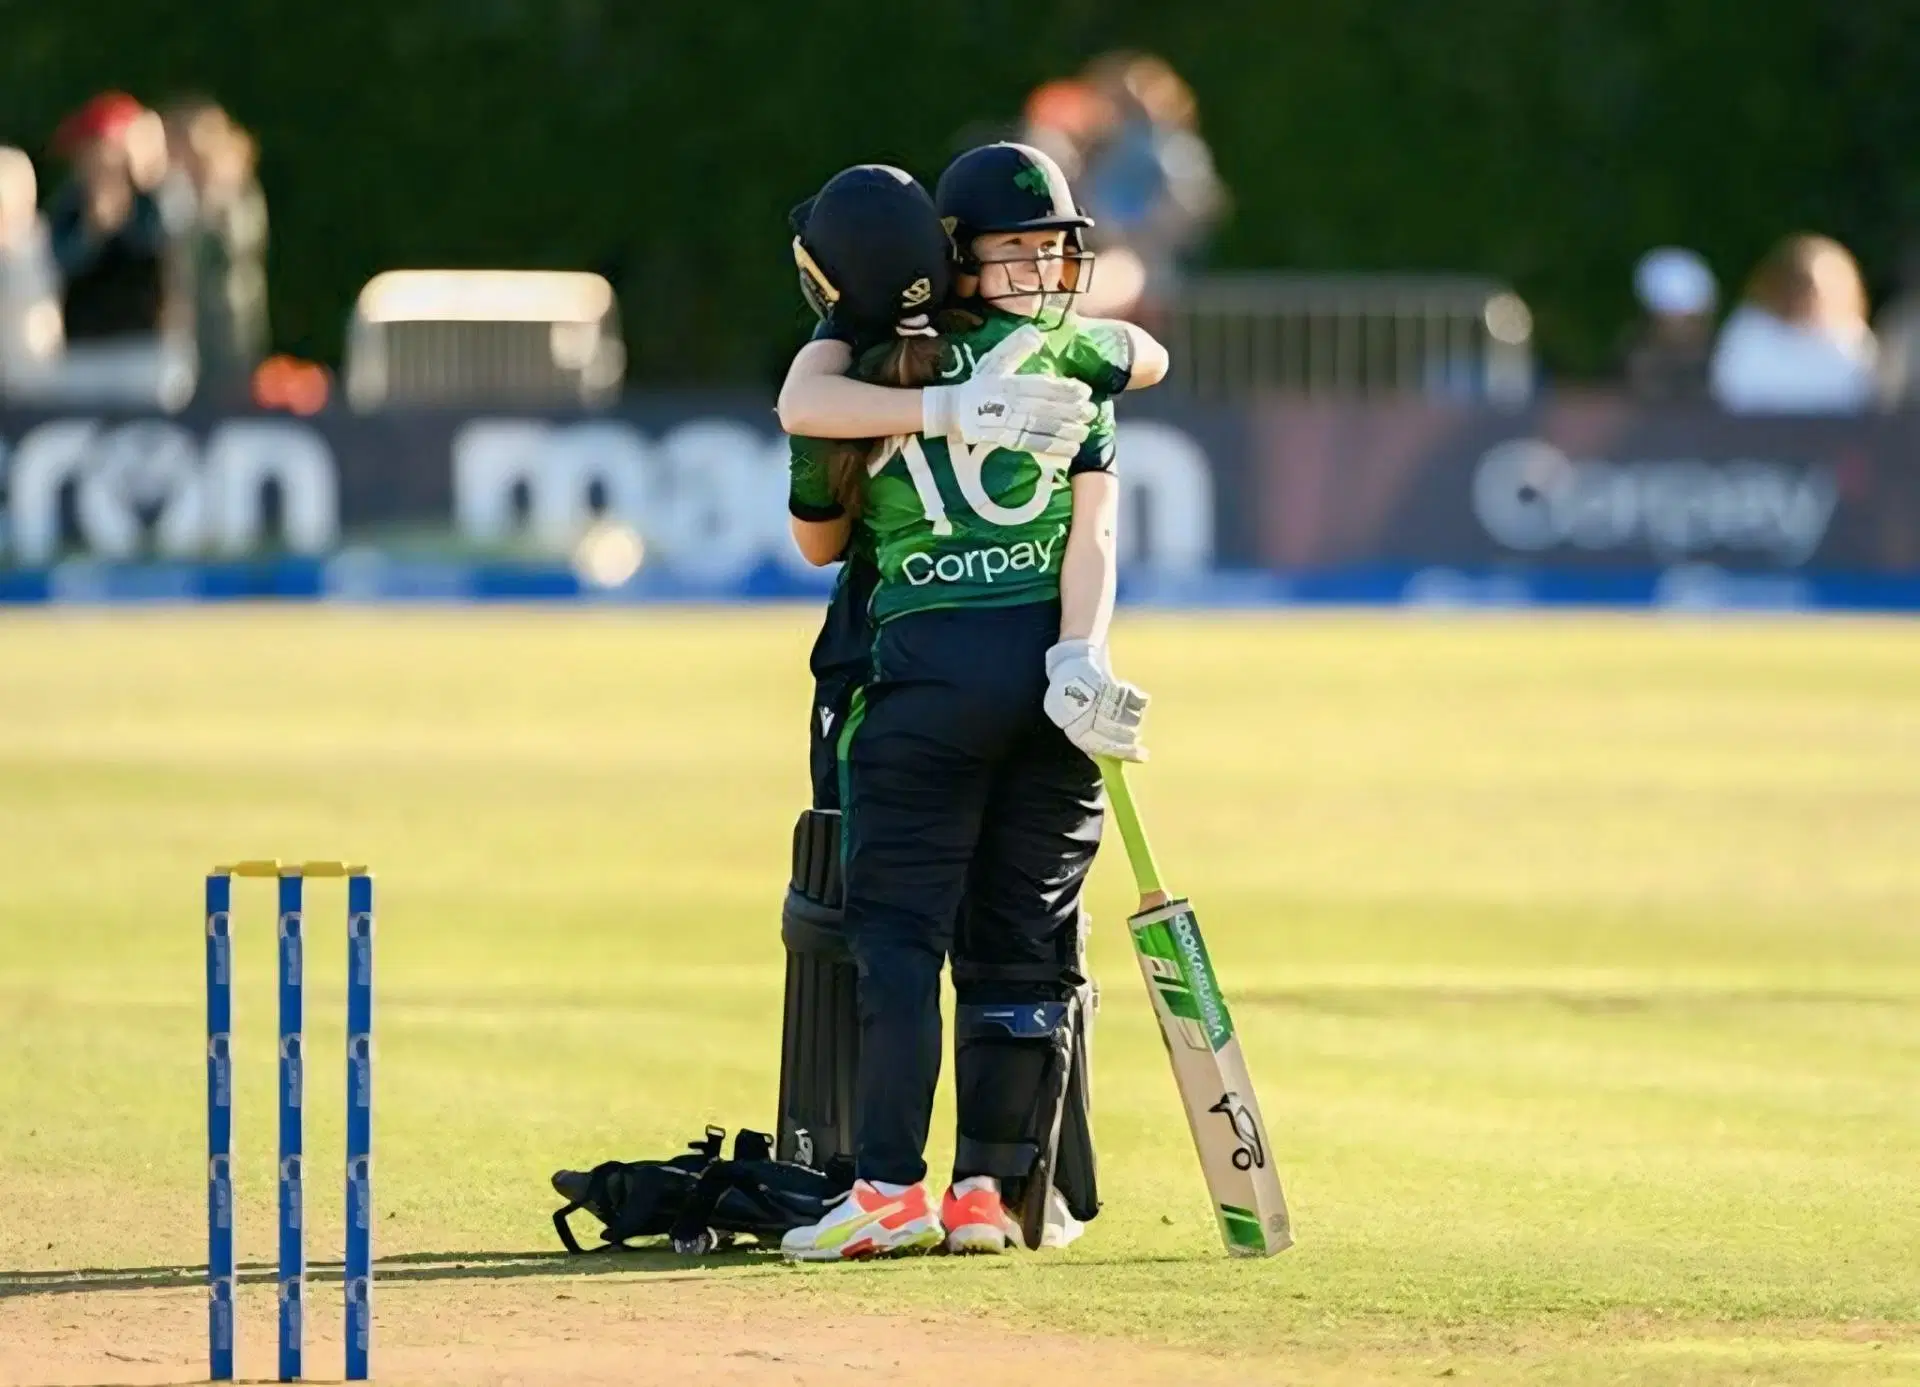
[
  {"x": 956, "y": 784},
  {"x": 841, "y": 660}
]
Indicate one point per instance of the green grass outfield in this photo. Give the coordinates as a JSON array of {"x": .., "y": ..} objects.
[{"x": 1577, "y": 962}]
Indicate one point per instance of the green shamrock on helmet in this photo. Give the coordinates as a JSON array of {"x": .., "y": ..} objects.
[{"x": 1034, "y": 179}]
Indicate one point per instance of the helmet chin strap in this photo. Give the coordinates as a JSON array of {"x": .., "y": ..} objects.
[{"x": 1053, "y": 310}]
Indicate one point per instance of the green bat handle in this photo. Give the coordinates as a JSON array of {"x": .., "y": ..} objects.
[{"x": 1146, "y": 872}]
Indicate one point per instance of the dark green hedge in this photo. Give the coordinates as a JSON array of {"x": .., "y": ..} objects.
[{"x": 1545, "y": 141}]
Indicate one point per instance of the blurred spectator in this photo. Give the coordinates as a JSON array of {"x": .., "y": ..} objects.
[
  {"x": 223, "y": 242},
  {"x": 29, "y": 286},
  {"x": 1800, "y": 343},
  {"x": 110, "y": 238},
  {"x": 1127, "y": 134},
  {"x": 1899, "y": 334},
  {"x": 1667, "y": 362},
  {"x": 1067, "y": 118}
]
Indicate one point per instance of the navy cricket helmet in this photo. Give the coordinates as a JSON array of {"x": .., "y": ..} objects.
[
  {"x": 1012, "y": 187},
  {"x": 871, "y": 250}
]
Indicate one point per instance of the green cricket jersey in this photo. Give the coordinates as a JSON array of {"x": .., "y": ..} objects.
[{"x": 953, "y": 526}]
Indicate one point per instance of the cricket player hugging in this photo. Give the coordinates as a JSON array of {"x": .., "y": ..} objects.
[{"x": 964, "y": 472}]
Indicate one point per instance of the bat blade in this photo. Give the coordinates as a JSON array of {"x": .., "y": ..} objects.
[{"x": 1222, "y": 1112}]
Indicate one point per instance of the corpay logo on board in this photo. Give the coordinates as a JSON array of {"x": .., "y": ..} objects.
[{"x": 1530, "y": 496}]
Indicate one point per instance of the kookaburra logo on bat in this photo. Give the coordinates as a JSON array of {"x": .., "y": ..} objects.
[{"x": 1251, "y": 1153}]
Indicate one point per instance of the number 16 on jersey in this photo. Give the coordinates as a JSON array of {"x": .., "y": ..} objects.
[{"x": 1224, "y": 1116}]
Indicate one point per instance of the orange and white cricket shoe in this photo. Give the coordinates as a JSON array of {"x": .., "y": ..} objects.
[
  {"x": 871, "y": 1220},
  {"x": 977, "y": 1220},
  {"x": 974, "y": 1217}
]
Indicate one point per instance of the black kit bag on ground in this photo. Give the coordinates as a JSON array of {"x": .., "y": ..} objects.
[{"x": 698, "y": 1201}]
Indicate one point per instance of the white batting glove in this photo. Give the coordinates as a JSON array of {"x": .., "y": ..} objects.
[
  {"x": 1028, "y": 414},
  {"x": 1099, "y": 713}
]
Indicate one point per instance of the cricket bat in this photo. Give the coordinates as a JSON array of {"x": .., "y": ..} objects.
[{"x": 1222, "y": 1112}]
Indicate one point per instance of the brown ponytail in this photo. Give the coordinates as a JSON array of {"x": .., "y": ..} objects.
[{"x": 908, "y": 363}]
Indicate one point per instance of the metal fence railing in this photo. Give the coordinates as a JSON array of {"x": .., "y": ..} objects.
[
  {"x": 1233, "y": 334},
  {"x": 484, "y": 337},
  {"x": 530, "y": 338}
]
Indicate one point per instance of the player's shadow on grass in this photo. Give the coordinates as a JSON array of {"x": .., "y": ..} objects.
[
  {"x": 659, "y": 1263},
  {"x": 655, "y": 1263}
]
